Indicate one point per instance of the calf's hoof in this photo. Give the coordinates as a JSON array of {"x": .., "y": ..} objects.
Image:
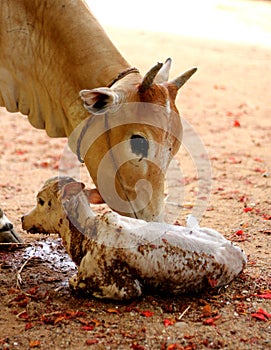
[{"x": 75, "y": 286}]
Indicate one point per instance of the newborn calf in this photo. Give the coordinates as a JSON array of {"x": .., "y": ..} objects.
[
  {"x": 117, "y": 257},
  {"x": 7, "y": 232}
]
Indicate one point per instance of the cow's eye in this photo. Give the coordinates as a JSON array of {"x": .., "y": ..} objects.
[
  {"x": 40, "y": 201},
  {"x": 139, "y": 145}
]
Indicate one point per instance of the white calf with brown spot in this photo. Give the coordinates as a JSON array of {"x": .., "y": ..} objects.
[{"x": 118, "y": 257}]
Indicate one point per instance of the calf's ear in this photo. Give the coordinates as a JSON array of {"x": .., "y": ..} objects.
[
  {"x": 100, "y": 100},
  {"x": 71, "y": 189}
]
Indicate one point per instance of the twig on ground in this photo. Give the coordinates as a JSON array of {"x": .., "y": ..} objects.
[
  {"x": 183, "y": 313},
  {"x": 19, "y": 314},
  {"x": 18, "y": 277}
]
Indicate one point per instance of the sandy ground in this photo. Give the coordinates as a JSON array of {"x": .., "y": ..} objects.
[{"x": 228, "y": 104}]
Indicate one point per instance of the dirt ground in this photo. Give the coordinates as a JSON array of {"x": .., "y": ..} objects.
[{"x": 228, "y": 103}]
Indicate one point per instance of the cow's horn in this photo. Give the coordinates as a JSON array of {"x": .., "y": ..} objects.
[
  {"x": 149, "y": 77},
  {"x": 163, "y": 73},
  {"x": 182, "y": 79}
]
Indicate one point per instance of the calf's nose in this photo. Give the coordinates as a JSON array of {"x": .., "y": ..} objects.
[{"x": 9, "y": 226}]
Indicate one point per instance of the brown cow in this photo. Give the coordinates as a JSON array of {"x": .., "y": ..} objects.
[{"x": 49, "y": 52}]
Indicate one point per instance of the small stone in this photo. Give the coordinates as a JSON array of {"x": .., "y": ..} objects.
[{"x": 181, "y": 325}]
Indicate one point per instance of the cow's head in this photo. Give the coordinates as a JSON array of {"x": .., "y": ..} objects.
[{"x": 138, "y": 131}]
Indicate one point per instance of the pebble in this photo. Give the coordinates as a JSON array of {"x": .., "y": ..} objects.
[{"x": 181, "y": 325}]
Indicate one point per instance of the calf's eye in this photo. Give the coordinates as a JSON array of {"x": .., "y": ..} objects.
[{"x": 139, "y": 145}]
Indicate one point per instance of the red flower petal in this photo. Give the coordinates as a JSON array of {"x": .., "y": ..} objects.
[
  {"x": 258, "y": 159},
  {"x": 259, "y": 316},
  {"x": 29, "y": 325},
  {"x": 147, "y": 313},
  {"x": 113, "y": 311},
  {"x": 34, "y": 343},
  {"x": 264, "y": 295},
  {"x": 87, "y": 328},
  {"x": 91, "y": 341},
  {"x": 247, "y": 209},
  {"x": 168, "y": 322},
  {"x": 260, "y": 170},
  {"x": 210, "y": 321},
  {"x": 264, "y": 312},
  {"x": 23, "y": 315}
]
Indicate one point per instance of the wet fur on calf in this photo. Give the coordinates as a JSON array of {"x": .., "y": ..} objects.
[{"x": 117, "y": 257}]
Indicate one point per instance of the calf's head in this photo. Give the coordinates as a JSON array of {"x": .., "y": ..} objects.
[
  {"x": 137, "y": 131},
  {"x": 48, "y": 214}
]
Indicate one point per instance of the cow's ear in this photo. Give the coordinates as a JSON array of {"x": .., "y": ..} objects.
[
  {"x": 100, "y": 100},
  {"x": 71, "y": 189}
]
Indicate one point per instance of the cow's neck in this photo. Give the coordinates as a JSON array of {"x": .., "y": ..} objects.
[
  {"x": 56, "y": 49},
  {"x": 78, "y": 39},
  {"x": 83, "y": 50}
]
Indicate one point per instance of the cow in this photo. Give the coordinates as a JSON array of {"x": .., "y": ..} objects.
[
  {"x": 119, "y": 257},
  {"x": 52, "y": 50}
]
